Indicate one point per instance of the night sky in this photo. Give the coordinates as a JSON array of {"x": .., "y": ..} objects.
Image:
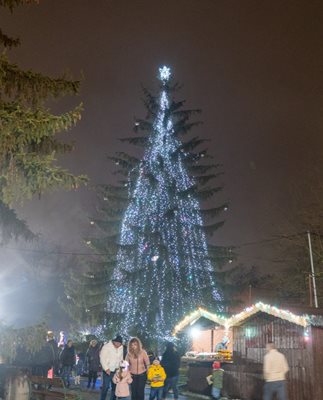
[{"x": 255, "y": 68}]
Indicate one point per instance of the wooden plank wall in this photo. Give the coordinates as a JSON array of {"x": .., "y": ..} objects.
[
  {"x": 244, "y": 377},
  {"x": 316, "y": 335}
]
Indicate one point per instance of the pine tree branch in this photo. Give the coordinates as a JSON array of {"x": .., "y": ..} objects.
[{"x": 30, "y": 86}]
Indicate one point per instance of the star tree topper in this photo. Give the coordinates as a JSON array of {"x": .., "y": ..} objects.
[{"x": 164, "y": 74}]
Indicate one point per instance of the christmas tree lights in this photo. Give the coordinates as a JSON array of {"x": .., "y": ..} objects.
[{"x": 163, "y": 269}]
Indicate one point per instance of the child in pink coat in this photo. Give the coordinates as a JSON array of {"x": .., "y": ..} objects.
[{"x": 122, "y": 378}]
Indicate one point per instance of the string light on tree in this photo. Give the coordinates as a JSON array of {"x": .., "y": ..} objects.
[{"x": 163, "y": 248}]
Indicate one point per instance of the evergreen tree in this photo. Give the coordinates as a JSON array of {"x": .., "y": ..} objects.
[
  {"x": 28, "y": 141},
  {"x": 156, "y": 264}
]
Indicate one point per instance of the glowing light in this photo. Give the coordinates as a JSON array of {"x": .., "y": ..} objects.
[
  {"x": 236, "y": 319},
  {"x": 195, "y": 333},
  {"x": 162, "y": 213},
  {"x": 164, "y": 73}
]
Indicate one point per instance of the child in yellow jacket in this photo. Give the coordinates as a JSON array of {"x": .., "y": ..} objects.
[{"x": 156, "y": 376}]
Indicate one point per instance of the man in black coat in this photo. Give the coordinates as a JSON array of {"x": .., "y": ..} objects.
[
  {"x": 67, "y": 359},
  {"x": 171, "y": 361},
  {"x": 51, "y": 342}
]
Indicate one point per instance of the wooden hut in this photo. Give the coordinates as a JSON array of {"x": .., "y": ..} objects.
[{"x": 298, "y": 334}]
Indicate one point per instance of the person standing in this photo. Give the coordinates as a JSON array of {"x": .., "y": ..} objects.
[
  {"x": 67, "y": 359},
  {"x": 156, "y": 375},
  {"x": 55, "y": 355},
  {"x": 122, "y": 378},
  {"x": 93, "y": 362},
  {"x": 79, "y": 368},
  {"x": 275, "y": 369},
  {"x": 216, "y": 380},
  {"x": 171, "y": 362},
  {"x": 138, "y": 364},
  {"x": 111, "y": 356}
]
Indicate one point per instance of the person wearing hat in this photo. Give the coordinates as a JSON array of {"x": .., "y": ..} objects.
[
  {"x": 223, "y": 345},
  {"x": 111, "y": 356},
  {"x": 216, "y": 380}
]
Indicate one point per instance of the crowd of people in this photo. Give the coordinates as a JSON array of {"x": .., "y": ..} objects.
[{"x": 126, "y": 369}]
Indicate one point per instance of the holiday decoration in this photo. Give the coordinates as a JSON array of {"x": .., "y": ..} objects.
[
  {"x": 228, "y": 322},
  {"x": 163, "y": 266}
]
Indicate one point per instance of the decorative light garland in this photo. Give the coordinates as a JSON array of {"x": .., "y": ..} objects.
[
  {"x": 236, "y": 319},
  {"x": 195, "y": 315}
]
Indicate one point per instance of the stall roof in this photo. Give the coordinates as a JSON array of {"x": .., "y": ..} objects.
[
  {"x": 302, "y": 320},
  {"x": 196, "y": 315}
]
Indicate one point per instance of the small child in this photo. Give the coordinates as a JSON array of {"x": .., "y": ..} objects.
[
  {"x": 156, "y": 376},
  {"x": 122, "y": 379},
  {"x": 78, "y": 369},
  {"x": 216, "y": 380}
]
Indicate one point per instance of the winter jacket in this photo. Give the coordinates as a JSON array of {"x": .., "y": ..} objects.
[
  {"x": 156, "y": 372},
  {"x": 44, "y": 357},
  {"x": 93, "y": 358},
  {"x": 275, "y": 366},
  {"x": 171, "y": 361},
  {"x": 54, "y": 349},
  {"x": 110, "y": 356},
  {"x": 122, "y": 385},
  {"x": 138, "y": 365},
  {"x": 67, "y": 356},
  {"x": 79, "y": 367},
  {"x": 217, "y": 378}
]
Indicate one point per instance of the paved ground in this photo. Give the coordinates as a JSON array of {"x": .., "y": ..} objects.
[{"x": 89, "y": 394}]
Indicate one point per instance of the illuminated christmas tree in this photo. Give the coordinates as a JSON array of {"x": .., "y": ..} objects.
[{"x": 164, "y": 267}]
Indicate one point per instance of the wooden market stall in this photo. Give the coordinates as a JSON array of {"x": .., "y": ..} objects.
[{"x": 298, "y": 334}]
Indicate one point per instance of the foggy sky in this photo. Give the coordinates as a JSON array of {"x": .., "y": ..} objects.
[{"x": 254, "y": 68}]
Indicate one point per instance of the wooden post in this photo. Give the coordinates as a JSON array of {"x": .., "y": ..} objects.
[
  {"x": 212, "y": 340},
  {"x": 310, "y": 289}
]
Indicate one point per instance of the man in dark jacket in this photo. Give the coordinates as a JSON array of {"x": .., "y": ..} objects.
[
  {"x": 42, "y": 361},
  {"x": 171, "y": 362},
  {"x": 54, "y": 352},
  {"x": 67, "y": 359}
]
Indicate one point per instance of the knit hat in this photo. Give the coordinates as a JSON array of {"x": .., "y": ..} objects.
[
  {"x": 117, "y": 339},
  {"x": 216, "y": 365}
]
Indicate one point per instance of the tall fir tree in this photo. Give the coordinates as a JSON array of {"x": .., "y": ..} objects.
[
  {"x": 28, "y": 135},
  {"x": 151, "y": 232}
]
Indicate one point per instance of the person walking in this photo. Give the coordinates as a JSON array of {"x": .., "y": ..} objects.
[
  {"x": 275, "y": 369},
  {"x": 171, "y": 362},
  {"x": 93, "y": 362},
  {"x": 138, "y": 364},
  {"x": 67, "y": 359},
  {"x": 111, "y": 356}
]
